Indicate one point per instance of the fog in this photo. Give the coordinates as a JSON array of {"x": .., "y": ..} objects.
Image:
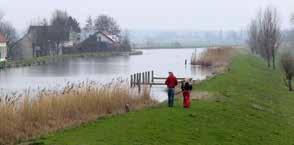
[{"x": 150, "y": 14}]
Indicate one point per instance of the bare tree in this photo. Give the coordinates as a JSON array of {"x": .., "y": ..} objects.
[
  {"x": 266, "y": 27},
  {"x": 89, "y": 27},
  {"x": 61, "y": 25},
  {"x": 272, "y": 32},
  {"x": 9, "y": 31},
  {"x": 287, "y": 64},
  {"x": 107, "y": 24},
  {"x": 58, "y": 23},
  {"x": 252, "y": 40}
]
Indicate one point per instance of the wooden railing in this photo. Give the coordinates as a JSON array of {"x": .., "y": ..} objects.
[{"x": 148, "y": 78}]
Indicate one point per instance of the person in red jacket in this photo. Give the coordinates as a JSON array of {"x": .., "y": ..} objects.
[{"x": 171, "y": 82}]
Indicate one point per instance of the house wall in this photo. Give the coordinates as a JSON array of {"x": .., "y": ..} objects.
[
  {"x": 103, "y": 38},
  {"x": 23, "y": 49}
]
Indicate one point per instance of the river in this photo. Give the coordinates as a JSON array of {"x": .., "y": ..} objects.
[{"x": 103, "y": 69}]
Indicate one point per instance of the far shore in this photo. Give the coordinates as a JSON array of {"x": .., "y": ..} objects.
[{"x": 50, "y": 59}]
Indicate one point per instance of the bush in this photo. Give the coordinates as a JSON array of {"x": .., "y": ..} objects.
[{"x": 287, "y": 64}]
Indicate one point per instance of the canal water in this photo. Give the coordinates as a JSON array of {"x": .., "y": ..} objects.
[{"x": 103, "y": 69}]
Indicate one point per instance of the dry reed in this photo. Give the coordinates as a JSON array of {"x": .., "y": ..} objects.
[
  {"x": 23, "y": 117},
  {"x": 218, "y": 58}
]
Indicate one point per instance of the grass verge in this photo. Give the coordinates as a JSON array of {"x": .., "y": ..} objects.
[{"x": 250, "y": 106}]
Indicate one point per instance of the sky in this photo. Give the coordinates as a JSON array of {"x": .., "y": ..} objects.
[{"x": 150, "y": 14}]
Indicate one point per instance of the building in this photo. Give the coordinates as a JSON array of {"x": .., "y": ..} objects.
[
  {"x": 42, "y": 41},
  {"x": 99, "y": 41},
  {"x": 3, "y": 48},
  {"x": 29, "y": 45}
]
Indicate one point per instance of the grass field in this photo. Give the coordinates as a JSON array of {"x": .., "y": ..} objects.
[{"x": 250, "y": 106}]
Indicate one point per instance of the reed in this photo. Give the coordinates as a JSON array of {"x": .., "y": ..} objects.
[
  {"x": 214, "y": 57},
  {"x": 23, "y": 117}
]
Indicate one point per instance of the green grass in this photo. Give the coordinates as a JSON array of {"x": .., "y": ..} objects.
[{"x": 254, "y": 108}]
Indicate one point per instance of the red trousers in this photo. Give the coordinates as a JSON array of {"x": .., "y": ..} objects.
[{"x": 186, "y": 100}]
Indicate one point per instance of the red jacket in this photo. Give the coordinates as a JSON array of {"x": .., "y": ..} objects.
[{"x": 171, "y": 82}]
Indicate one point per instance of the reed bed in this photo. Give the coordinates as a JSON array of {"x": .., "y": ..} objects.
[
  {"x": 24, "y": 117},
  {"x": 218, "y": 58}
]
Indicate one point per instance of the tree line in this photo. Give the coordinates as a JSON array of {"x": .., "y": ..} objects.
[
  {"x": 265, "y": 38},
  {"x": 265, "y": 35}
]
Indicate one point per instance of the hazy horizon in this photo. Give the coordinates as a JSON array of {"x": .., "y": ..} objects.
[{"x": 172, "y": 15}]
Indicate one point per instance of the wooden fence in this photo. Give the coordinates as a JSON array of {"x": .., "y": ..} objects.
[{"x": 148, "y": 78}]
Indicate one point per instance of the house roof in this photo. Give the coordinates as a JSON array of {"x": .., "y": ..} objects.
[
  {"x": 2, "y": 38},
  {"x": 107, "y": 36}
]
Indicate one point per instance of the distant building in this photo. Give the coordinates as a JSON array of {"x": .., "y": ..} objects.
[
  {"x": 3, "y": 48},
  {"x": 99, "y": 41},
  {"x": 39, "y": 41},
  {"x": 29, "y": 45}
]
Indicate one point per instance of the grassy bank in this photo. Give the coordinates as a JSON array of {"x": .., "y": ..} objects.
[
  {"x": 247, "y": 106},
  {"x": 49, "y": 59}
]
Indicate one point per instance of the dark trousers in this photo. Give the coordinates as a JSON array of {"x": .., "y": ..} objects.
[{"x": 171, "y": 95}]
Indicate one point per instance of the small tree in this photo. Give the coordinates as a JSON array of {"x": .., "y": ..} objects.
[{"x": 287, "y": 64}]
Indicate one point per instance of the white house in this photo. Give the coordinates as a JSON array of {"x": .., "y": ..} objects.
[{"x": 3, "y": 48}]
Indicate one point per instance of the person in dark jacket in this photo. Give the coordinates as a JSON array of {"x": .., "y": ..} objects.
[
  {"x": 171, "y": 82},
  {"x": 186, "y": 88}
]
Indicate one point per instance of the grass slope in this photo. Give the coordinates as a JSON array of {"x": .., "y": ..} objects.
[{"x": 253, "y": 108}]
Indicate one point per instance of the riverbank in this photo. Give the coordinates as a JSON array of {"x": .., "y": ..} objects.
[
  {"x": 249, "y": 104},
  {"x": 50, "y": 59}
]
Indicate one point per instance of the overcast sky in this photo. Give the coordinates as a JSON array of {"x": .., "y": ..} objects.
[{"x": 150, "y": 14}]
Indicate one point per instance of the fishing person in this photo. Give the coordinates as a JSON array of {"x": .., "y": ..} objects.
[
  {"x": 186, "y": 89},
  {"x": 171, "y": 82}
]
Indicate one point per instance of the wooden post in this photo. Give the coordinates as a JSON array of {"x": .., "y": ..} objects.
[
  {"x": 148, "y": 77},
  {"x": 139, "y": 82},
  {"x": 152, "y": 75},
  {"x": 147, "y": 81},
  {"x": 134, "y": 80},
  {"x": 131, "y": 81},
  {"x": 143, "y": 77}
]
